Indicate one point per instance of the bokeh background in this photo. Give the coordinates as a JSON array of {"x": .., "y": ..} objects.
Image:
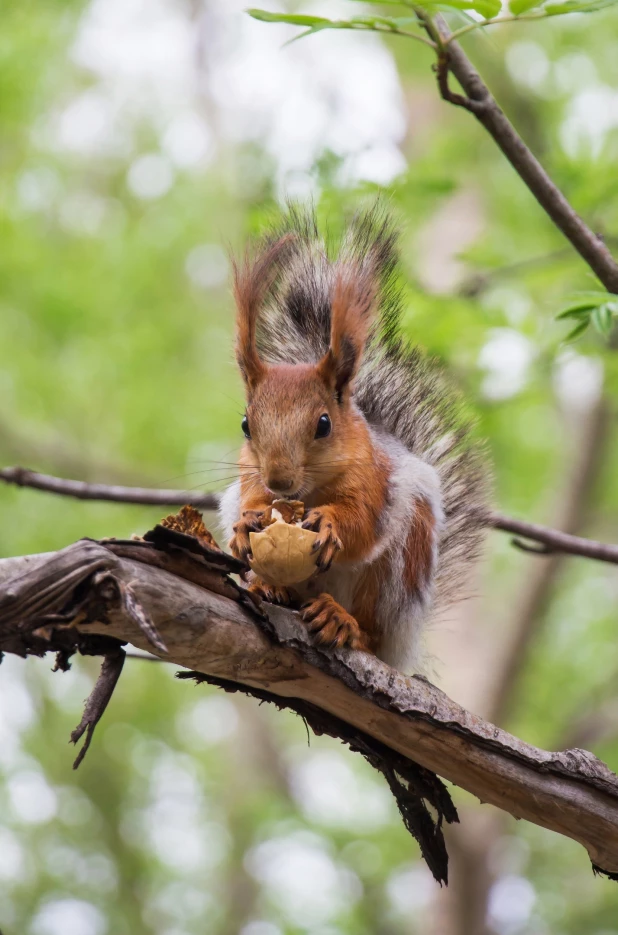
[{"x": 139, "y": 140}]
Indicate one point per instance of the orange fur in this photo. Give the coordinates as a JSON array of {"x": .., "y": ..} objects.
[{"x": 419, "y": 548}]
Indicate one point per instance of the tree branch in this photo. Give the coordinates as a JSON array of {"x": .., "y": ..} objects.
[
  {"x": 553, "y": 540},
  {"x": 572, "y": 792},
  {"x": 482, "y": 104},
  {"x": 98, "y": 701},
  {"x": 81, "y": 490}
]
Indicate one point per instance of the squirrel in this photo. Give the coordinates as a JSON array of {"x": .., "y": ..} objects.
[{"x": 344, "y": 415}]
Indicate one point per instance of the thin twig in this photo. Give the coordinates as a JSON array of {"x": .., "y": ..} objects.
[
  {"x": 404, "y": 32},
  {"x": 481, "y": 279},
  {"x": 98, "y": 700},
  {"x": 553, "y": 539},
  {"x": 480, "y": 101},
  {"x": 441, "y": 69},
  {"x": 499, "y": 21},
  {"x": 81, "y": 490}
]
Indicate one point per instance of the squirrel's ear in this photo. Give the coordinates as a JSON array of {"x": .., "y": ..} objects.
[
  {"x": 253, "y": 277},
  {"x": 352, "y": 307}
]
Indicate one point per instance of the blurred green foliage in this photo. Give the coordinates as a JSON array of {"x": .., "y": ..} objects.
[{"x": 193, "y": 812}]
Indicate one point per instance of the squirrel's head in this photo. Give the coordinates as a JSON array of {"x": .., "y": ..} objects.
[{"x": 299, "y": 417}]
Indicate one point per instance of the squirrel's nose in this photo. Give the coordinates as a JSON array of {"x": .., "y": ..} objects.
[{"x": 279, "y": 484}]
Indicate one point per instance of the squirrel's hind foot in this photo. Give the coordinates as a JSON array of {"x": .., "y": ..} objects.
[{"x": 332, "y": 625}]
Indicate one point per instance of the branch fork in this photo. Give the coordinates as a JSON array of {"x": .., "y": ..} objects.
[{"x": 441, "y": 68}]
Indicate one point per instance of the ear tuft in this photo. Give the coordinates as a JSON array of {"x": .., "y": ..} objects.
[
  {"x": 253, "y": 278},
  {"x": 352, "y": 309}
]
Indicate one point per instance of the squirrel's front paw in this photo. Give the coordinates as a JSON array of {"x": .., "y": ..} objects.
[
  {"x": 271, "y": 593},
  {"x": 328, "y": 542},
  {"x": 333, "y": 625},
  {"x": 250, "y": 521}
]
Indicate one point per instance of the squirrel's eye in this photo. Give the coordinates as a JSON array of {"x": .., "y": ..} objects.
[
  {"x": 323, "y": 428},
  {"x": 245, "y": 427}
]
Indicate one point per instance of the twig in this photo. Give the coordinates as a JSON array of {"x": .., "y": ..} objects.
[
  {"x": 98, "y": 700},
  {"x": 480, "y": 101},
  {"x": 481, "y": 279},
  {"x": 499, "y": 21},
  {"x": 146, "y": 496},
  {"x": 552, "y": 539},
  {"x": 391, "y": 31},
  {"x": 441, "y": 69}
]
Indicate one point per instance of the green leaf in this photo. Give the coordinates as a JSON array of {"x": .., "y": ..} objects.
[
  {"x": 600, "y": 308},
  {"x": 487, "y": 8},
  {"x": 293, "y": 19},
  {"x": 577, "y": 330},
  {"x": 311, "y": 31},
  {"x": 603, "y": 319},
  {"x": 403, "y": 22},
  {"x": 371, "y": 22},
  {"x": 317, "y": 23},
  {"x": 517, "y": 7},
  {"x": 583, "y": 311},
  {"x": 391, "y": 22}
]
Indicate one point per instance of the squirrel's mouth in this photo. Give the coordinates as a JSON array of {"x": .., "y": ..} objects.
[
  {"x": 284, "y": 495},
  {"x": 304, "y": 486}
]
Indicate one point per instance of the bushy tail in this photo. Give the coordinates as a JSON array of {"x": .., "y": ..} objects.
[{"x": 397, "y": 387}]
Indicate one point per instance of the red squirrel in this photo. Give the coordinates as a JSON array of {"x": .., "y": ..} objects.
[{"x": 343, "y": 415}]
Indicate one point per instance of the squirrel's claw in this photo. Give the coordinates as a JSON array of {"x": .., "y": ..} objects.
[
  {"x": 271, "y": 593},
  {"x": 331, "y": 624},
  {"x": 240, "y": 545},
  {"x": 328, "y": 542}
]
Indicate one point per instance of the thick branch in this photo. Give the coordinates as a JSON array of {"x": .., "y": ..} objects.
[
  {"x": 552, "y": 540},
  {"x": 481, "y": 103},
  {"x": 572, "y": 792}
]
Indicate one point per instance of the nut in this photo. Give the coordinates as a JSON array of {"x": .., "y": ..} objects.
[{"x": 283, "y": 552}]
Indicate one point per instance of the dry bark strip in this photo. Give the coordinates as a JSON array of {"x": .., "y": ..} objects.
[{"x": 572, "y": 792}]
